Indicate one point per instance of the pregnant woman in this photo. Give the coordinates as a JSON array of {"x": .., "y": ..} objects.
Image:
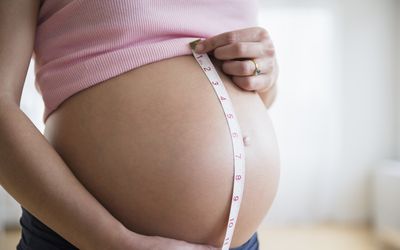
[{"x": 136, "y": 152}]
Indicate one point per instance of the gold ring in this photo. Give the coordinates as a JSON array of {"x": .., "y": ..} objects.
[{"x": 257, "y": 71}]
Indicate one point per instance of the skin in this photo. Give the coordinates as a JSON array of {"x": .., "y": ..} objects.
[{"x": 148, "y": 145}]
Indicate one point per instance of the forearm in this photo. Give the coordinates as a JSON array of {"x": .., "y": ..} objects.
[
  {"x": 268, "y": 96},
  {"x": 36, "y": 176}
]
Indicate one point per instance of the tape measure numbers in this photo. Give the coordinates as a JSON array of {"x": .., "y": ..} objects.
[{"x": 236, "y": 137}]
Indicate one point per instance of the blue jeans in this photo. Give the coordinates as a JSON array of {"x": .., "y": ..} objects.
[
  {"x": 37, "y": 236},
  {"x": 251, "y": 244}
]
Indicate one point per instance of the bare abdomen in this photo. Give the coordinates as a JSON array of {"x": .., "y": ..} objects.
[{"x": 153, "y": 146}]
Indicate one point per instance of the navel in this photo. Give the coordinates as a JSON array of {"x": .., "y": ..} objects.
[{"x": 246, "y": 140}]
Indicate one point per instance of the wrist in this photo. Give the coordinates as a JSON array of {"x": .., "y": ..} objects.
[
  {"x": 118, "y": 237},
  {"x": 125, "y": 239},
  {"x": 108, "y": 235}
]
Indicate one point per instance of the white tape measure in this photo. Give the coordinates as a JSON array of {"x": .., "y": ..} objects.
[{"x": 236, "y": 136}]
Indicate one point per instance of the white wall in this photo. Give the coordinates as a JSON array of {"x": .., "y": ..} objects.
[
  {"x": 335, "y": 112},
  {"x": 305, "y": 115},
  {"x": 397, "y": 8},
  {"x": 368, "y": 86}
]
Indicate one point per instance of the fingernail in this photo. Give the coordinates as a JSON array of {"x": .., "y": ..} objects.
[{"x": 199, "y": 47}]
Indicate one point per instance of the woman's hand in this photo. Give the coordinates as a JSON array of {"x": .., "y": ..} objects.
[
  {"x": 161, "y": 243},
  {"x": 237, "y": 48},
  {"x": 134, "y": 241}
]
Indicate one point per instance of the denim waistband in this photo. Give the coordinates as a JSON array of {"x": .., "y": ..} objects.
[{"x": 251, "y": 244}]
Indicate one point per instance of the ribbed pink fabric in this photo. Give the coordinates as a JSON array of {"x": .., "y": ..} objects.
[{"x": 80, "y": 43}]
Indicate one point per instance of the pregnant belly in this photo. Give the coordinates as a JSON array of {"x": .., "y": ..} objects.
[{"x": 153, "y": 146}]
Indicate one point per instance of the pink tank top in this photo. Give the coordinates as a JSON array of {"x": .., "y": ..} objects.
[{"x": 80, "y": 43}]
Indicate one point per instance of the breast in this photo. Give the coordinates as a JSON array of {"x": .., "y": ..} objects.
[{"x": 153, "y": 146}]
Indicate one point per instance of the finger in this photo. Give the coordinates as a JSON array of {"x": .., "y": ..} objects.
[
  {"x": 252, "y": 34},
  {"x": 253, "y": 83},
  {"x": 243, "y": 50},
  {"x": 247, "y": 67}
]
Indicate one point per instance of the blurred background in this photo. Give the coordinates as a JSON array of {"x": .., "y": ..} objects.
[{"x": 337, "y": 120}]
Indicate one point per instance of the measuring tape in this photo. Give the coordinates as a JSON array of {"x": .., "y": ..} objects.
[{"x": 236, "y": 137}]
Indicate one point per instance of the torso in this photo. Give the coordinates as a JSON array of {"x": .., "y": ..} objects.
[{"x": 140, "y": 141}]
